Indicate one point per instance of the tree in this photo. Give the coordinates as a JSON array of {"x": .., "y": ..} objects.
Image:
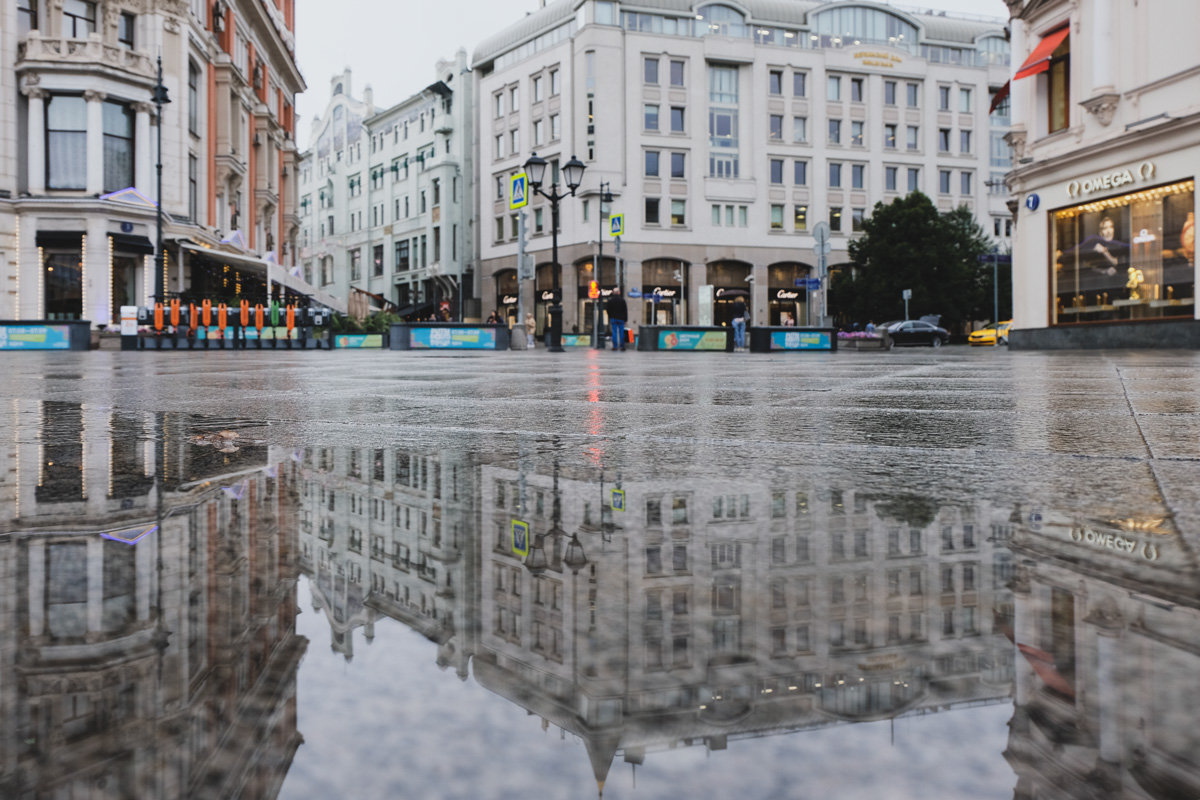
[{"x": 909, "y": 245}]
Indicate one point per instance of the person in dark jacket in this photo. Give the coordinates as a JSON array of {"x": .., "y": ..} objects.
[
  {"x": 739, "y": 324},
  {"x": 618, "y": 315}
]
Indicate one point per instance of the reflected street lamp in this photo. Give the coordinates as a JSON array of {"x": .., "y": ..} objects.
[{"x": 535, "y": 170}]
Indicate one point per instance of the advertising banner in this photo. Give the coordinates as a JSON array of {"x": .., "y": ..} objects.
[
  {"x": 35, "y": 337},
  {"x": 452, "y": 338},
  {"x": 576, "y": 340},
  {"x": 691, "y": 340},
  {"x": 801, "y": 340},
  {"x": 352, "y": 340}
]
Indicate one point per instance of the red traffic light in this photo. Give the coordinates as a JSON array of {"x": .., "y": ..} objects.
[{"x": 593, "y": 290}]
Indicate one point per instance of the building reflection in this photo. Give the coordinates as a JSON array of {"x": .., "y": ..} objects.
[
  {"x": 148, "y": 646},
  {"x": 1108, "y": 631},
  {"x": 703, "y": 611}
]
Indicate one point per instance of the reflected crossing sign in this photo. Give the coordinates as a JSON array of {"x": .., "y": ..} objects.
[
  {"x": 520, "y": 537},
  {"x": 518, "y": 191},
  {"x": 616, "y": 225},
  {"x": 618, "y": 500}
]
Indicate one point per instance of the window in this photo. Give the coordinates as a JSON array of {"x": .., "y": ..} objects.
[
  {"x": 835, "y": 175},
  {"x": 193, "y": 188},
  {"x": 943, "y": 98},
  {"x": 799, "y": 84},
  {"x": 539, "y": 220},
  {"x": 944, "y": 181},
  {"x": 858, "y": 176},
  {"x": 193, "y": 99},
  {"x": 677, "y": 73},
  {"x": 652, "y": 217},
  {"x": 498, "y": 103},
  {"x": 800, "y": 223},
  {"x": 650, "y": 117},
  {"x": 775, "y": 81},
  {"x": 943, "y": 140},
  {"x": 964, "y": 100},
  {"x": 911, "y": 91},
  {"x": 914, "y": 137},
  {"x": 677, "y": 165},
  {"x": 651, "y": 163},
  {"x": 777, "y": 171},
  {"x": 856, "y": 134},
  {"x": 964, "y": 142},
  {"x": 27, "y": 16},
  {"x": 889, "y": 93},
  {"x": 66, "y": 142},
  {"x": 964, "y": 182},
  {"x": 401, "y": 250},
  {"x": 835, "y": 218},
  {"x": 776, "y": 217},
  {"x": 914, "y": 178},
  {"x": 125, "y": 25},
  {"x": 856, "y": 90},
  {"x": 650, "y": 70},
  {"x": 799, "y": 129},
  {"x": 514, "y": 137},
  {"x": 800, "y": 173},
  {"x": 553, "y": 82},
  {"x": 539, "y": 131},
  {"x": 678, "y": 212},
  {"x": 498, "y": 150},
  {"x": 555, "y": 130},
  {"x": 889, "y": 136},
  {"x": 835, "y": 131},
  {"x": 1059, "y": 87},
  {"x": 775, "y": 127},
  {"x": 676, "y": 119},
  {"x": 79, "y": 18},
  {"x": 833, "y": 88},
  {"x": 514, "y": 101},
  {"x": 355, "y": 264}
]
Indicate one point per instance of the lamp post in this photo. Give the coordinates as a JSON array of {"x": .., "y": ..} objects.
[
  {"x": 535, "y": 169},
  {"x": 160, "y": 99},
  {"x": 605, "y": 203}
]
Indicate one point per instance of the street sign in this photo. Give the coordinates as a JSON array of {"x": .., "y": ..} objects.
[
  {"x": 812, "y": 284},
  {"x": 518, "y": 191},
  {"x": 634, "y": 291},
  {"x": 821, "y": 233},
  {"x": 616, "y": 224},
  {"x": 520, "y": 537},
  {"x": 906, "y": 294},
  {"x": 618, "y": 500},
  {"x": 998, "y": 258}
]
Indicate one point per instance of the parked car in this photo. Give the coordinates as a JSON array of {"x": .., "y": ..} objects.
[
  {"x": 916, "y": 332},
  {"x": 988, "y": 333}
]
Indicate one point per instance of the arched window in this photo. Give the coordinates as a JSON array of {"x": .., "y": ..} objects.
[
  {"x": 848, "y": 26},
  {"x": 721, "y": 20}
]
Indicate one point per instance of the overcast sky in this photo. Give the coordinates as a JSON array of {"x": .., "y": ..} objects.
[{"x": 393, "y": 44}]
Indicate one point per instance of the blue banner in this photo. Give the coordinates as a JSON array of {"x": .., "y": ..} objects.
[
  {"x": 352, "y": 340},
  {"x": 691, "y": 340},
  {"x": 801, "y": 340},
  {"x": 452, "y": 339},
  {"x": 35, "y": 337}
]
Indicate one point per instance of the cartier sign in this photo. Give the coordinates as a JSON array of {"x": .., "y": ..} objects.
[
  {"x": 1111, "y": 180},
  {"x": 786, "y": 294}
]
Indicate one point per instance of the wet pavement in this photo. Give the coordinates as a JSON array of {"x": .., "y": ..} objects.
[{"x": 963, "y": 573}]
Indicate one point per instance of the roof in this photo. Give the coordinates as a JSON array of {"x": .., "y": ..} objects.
[{"x": 937, "y": 28}]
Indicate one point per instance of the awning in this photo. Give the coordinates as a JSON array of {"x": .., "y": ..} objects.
[
  {"x": 1039, "y": 60},
  {"x": 999, "y": 96},
  {"x": 248, "y": 263},
  {"x": 414, "y": 309},
  {"x": 127, "y": 243},
  {"x": 69, "y": 240}
]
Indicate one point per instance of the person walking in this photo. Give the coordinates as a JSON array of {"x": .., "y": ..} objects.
[
  {"x": 530, "y": 331},
  {"x": 739, "y": 325},
  {"x": 618, "y": 314}
]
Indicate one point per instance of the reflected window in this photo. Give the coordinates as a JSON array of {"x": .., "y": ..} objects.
[{"x": 66, "y": 589}]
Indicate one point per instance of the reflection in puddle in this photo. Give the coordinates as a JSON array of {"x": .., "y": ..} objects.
[{"x": 151, "y": 566}]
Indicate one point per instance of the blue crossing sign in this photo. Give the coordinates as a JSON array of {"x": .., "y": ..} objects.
[
  {"x": 518, "y": 191},
  {"x": 616, "y": 225}
]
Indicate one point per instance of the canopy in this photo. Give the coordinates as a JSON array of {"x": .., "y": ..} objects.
[{"x": 1039, "y": 60}]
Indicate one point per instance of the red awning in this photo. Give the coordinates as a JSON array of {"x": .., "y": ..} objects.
[
  {"x": 1039, "y": 61},
  {"x": 999, "y": 96}
]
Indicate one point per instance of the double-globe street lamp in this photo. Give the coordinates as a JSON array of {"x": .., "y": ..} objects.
[{"x": 535, "y": 172}]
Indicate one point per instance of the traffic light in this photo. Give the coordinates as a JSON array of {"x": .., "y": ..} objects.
[{"x": 593, "y": 290}]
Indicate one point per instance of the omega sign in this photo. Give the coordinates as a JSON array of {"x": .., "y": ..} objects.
[
  {"x": 1111, "y": 180},
  {"x": 1115, "y": 542}
]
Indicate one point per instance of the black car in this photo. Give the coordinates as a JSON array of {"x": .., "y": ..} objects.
[{"x": 915, "y": 332}]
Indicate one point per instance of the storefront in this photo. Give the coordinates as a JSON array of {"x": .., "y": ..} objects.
[
  {"x": 663, "y": 300},
  {"x": 731, "y": 282},
  {"x": 507, "y": 306},
  {"x": 787, "y": 297}
]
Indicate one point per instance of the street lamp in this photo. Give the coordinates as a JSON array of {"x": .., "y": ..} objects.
[
  {"x": 160, "y": 260},
  {"x": 535, "y": 170},
  {"x": 605, "y": 205}
]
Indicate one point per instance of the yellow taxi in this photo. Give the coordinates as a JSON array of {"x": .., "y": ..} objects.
[{"x": 988, "y": 333}]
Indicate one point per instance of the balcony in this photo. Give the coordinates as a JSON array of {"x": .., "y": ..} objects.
[{"x": 38, "y": 50}]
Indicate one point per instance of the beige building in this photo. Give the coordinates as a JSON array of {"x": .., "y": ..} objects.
[
  {"x": 1106, "y": 139},
  {"x": 725, "y": 134}
]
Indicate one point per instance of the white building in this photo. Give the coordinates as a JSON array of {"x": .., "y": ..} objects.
[
  {"x": 1106, "y": 140},
  {"x": 384, "y": 204},
  {"x": 725, "y": 133},
  {"x": 78, "y": 152}
]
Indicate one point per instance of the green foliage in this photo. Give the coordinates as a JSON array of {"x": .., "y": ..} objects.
[
  {"x": 380, "y": 322},
  {"x": 909, "y": 245}
]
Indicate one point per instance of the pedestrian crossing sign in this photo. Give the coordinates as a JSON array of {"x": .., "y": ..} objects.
[
  {"x": 520, "y": 537},
  {"x": 616, "y": 225},
  {"x": 518, "y": 191},
  {"x": 618, "y": 500}
]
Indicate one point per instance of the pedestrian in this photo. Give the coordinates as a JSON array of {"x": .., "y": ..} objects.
[
  {"x": 530, "y": 331},
  {"x": 870, "y": 326},
  {"x": 739, "y": 325},
  {"x": 618, "y": 314},
  {"x": 492, "y": 319}
]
